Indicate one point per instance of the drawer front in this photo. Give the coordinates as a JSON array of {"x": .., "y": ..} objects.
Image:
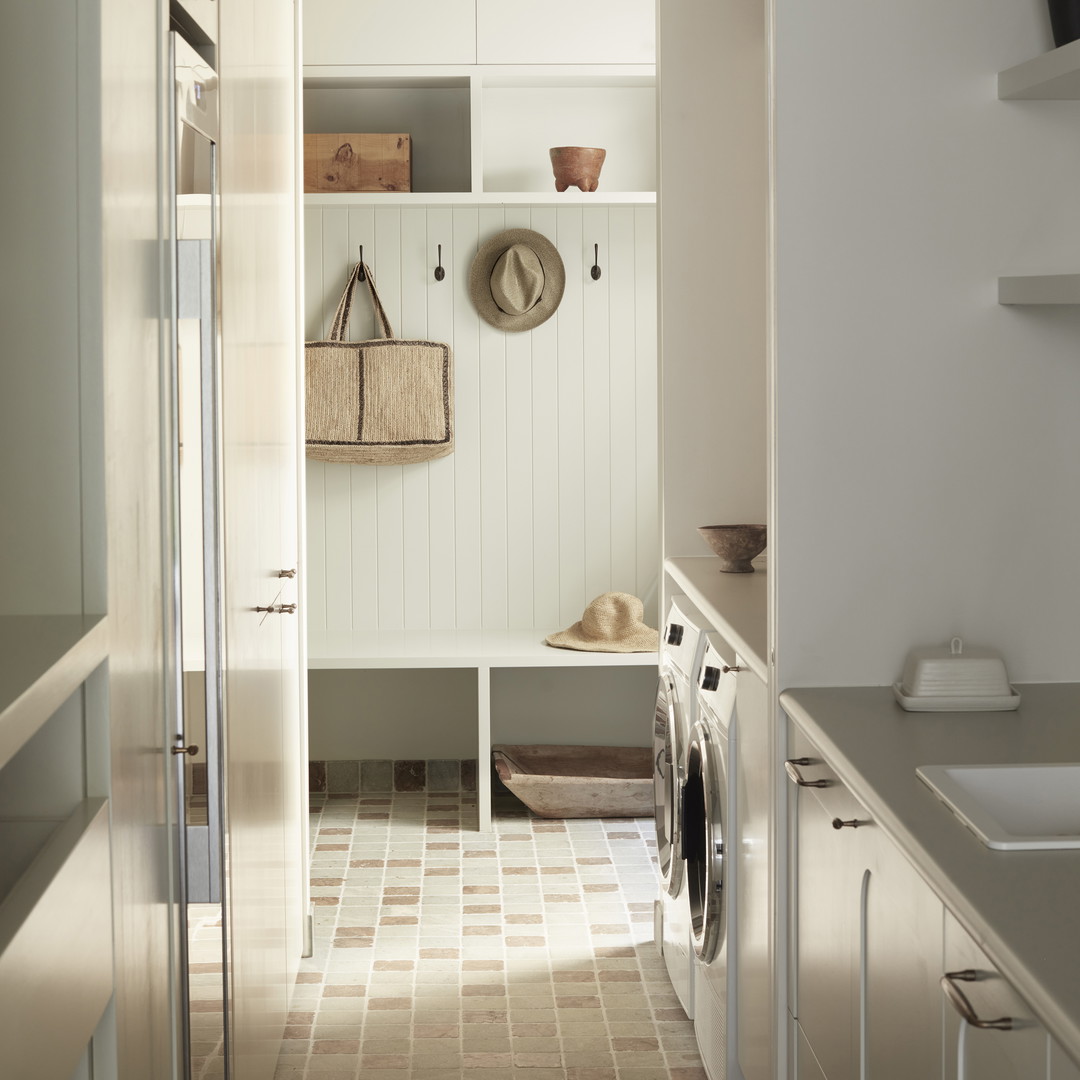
[{"x": 805, "y": 761}]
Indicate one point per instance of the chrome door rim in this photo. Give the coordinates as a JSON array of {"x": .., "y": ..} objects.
[
  {"x": 666, "y": 784},
  {"x": 704, "y": 820}
]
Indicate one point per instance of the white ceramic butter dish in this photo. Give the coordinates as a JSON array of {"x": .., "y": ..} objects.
[{"x": 955, "y": 677}]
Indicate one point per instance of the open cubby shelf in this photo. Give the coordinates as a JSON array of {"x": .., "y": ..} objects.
[{"x": 480, "y": 135}]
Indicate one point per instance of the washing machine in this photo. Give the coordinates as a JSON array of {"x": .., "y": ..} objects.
[
  {"x": 710, "y": 830},
  {"x": 681, "y": 646}
]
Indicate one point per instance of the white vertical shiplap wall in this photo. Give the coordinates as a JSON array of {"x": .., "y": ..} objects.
[{"x": 550, "y": 497}]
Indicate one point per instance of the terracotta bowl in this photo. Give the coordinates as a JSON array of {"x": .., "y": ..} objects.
[
  {"x": 576, "y": 166},
  {"x": 735, "y": 545}
]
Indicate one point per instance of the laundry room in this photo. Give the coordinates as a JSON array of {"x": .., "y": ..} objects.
[{"x": 540, "y": 540}]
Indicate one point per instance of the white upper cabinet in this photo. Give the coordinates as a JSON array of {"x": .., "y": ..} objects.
[
  {"x": 389, "y": 32},
  {"x": 565, "y": 32}
]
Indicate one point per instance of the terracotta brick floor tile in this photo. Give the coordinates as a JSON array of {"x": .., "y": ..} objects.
[
  {"x": 524, "y": 955},
  {"x": 336, "y": 1046}
]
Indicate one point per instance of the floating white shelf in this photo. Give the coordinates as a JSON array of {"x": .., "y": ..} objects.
[
  {"x": 736, "y": 604},
  {"x": 1040, "y": 289},
  {"x": 43, "y": 660},
  {"x": 483, "y": 198},
  {"x": 1054, "y": 76},
  {"x": 447, "y": 76},
  {"x": 454, "y": 649}
]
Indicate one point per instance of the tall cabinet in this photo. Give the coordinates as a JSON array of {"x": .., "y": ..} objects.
[
  {"x": 86, "y": 814},
  {"x": 265, "y": 797},
  {"x": 89, "y": 921},
  {"x": 713, "y": 178}
]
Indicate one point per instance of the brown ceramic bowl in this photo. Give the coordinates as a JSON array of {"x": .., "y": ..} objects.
[
  {"x": 576, "y": 166},
  {"x": 735, "y": 545}
]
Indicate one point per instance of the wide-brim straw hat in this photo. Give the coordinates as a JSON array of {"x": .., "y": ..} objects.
[
  {"x": 516, "y": 280},
  {"x": 613, "y": 622}
]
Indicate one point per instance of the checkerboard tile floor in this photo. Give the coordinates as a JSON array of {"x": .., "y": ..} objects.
[{"x": 444, "y": 954}]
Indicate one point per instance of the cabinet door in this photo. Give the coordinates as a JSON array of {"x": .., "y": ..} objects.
[
  {"x": 829, "y": 867},
  {"x": 753, "y": 860},
  {"x": 806, "y": 1065},
  {"x": 903, "y": 950},
  {"x": 973, "y": 1054},
  {"x": 565, "y": 32},
  {"x": 1062, "y": 1067},
  {"x": 390, "y": 32}
]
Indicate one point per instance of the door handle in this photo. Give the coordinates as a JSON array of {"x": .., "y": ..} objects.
[
  {"x": 960, "y": 1003},
  {"x": 791, "y": 767}
]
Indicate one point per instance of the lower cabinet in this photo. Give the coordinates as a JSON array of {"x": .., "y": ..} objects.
[
  {"x": 887, "y": 984},
  {"x": 901, "y": 1002},
  {"x": 1062, "y": 1066},
  {"x": 828, "y": 871},
  {"x": 1015, "y": 1047},
  {"x": 806, "y": 1065}
]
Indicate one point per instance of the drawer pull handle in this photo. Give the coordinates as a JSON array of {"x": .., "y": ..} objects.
[
  {"x": 853, "y": 824},
  {"x": 964, "y": 1007},
  {"x": 791, "y": 767}
]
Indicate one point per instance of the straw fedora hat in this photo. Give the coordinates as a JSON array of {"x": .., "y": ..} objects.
[
  {"x": 516, "y": 280},
  {"x": 611, "y": 623}
]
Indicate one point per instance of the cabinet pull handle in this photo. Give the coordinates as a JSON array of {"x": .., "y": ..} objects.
[
  {"x": 852, "y": 824},
  {"x": 964, "y": 1007},
  {"x": 791, "y": 767},
  {"x": 269, "y": 608},
  {"x": 286, "y": 573},
  {"x": 286, "y": 609},
  {"x": 192, "y": 749},
  {"x": 730, "y": 667}
]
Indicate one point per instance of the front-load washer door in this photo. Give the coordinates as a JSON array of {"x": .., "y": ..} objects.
[
  {"x": 667, "y": 751},
  {"x": 704, "y": 813}
]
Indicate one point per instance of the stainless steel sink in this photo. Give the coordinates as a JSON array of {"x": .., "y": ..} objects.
[{"x": 1012, "y": 807}]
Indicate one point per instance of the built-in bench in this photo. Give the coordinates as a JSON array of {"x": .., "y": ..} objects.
[{"x": 481, "y": 650}]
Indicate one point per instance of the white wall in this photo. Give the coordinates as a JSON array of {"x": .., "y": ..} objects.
[
  {"x": 549, "y": 498},
  {"x": 928, "y": 438},
  {"x": 713, "y": 201}
]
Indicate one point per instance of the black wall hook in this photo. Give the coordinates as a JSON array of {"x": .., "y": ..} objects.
[
  {"x": 363, "y": 276},
  {"x": 440, "y": 273},
  {"x": 595, "y": 271}
]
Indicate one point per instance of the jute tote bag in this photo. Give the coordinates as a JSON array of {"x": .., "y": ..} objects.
[{"x": 379, "y": 402}]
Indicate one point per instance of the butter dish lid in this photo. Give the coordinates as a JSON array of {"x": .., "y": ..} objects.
[{"x": 954, "y": 670}]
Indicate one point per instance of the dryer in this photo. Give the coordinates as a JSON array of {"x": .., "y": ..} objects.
[
  {"x": 710, "y": 831},
  {"x": 682, "y": 643}
]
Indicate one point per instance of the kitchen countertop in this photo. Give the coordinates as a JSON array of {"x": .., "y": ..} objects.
[{"x": 1022, "y": 907}]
